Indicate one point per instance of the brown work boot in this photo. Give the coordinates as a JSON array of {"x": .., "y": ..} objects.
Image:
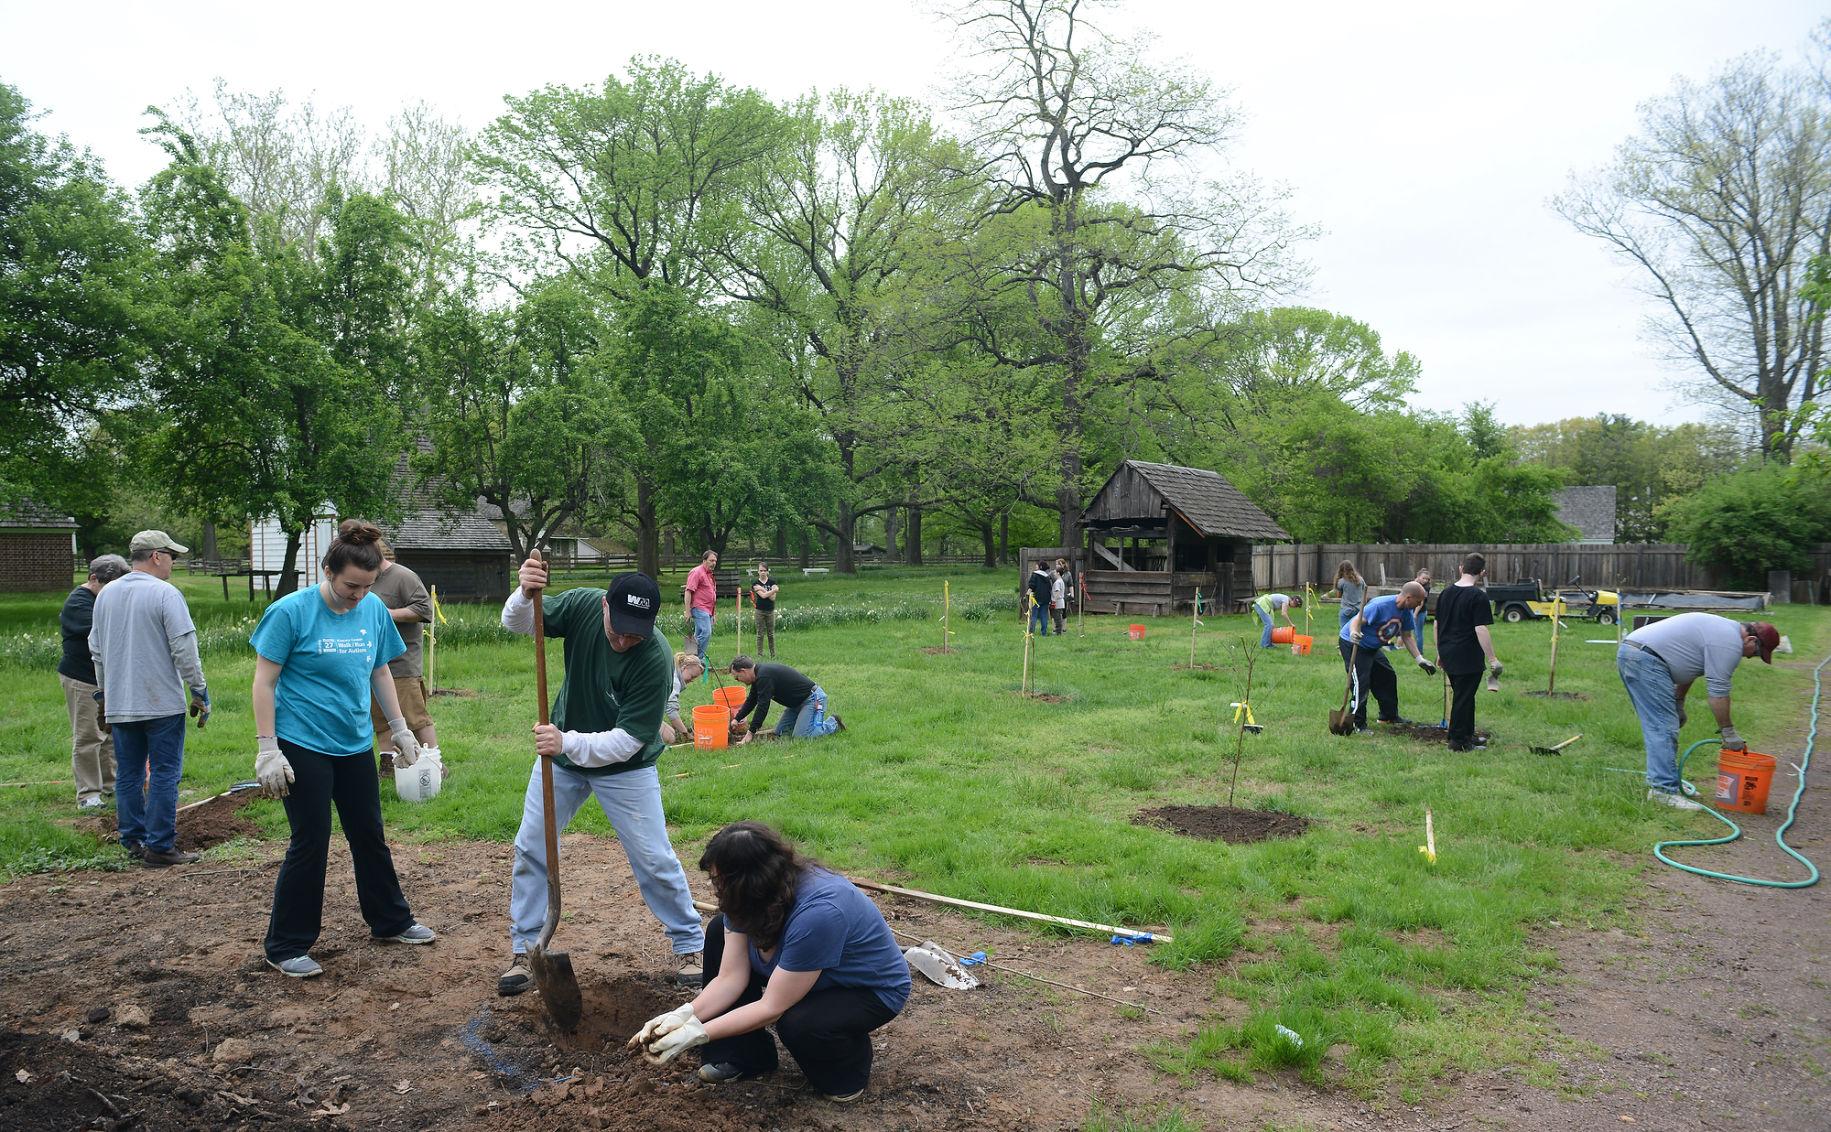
[
  {"x": 159, "y": 859},
  {"x": 689, "y": 969},
  {"x": 519, "y": 977}
]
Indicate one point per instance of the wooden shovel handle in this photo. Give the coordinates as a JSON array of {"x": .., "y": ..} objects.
[{"x": 540, "y": 641}]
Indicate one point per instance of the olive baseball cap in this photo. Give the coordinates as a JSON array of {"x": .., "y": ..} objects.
[
  {"x": 634, "y": 599},
  {"x": 156, "y": 540}
]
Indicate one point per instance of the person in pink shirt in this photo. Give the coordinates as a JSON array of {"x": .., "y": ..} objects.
[{"x": 701, "y": 597}]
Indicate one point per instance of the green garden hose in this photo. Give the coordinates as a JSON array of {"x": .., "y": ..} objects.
[{"x": 1735, "y": 830}]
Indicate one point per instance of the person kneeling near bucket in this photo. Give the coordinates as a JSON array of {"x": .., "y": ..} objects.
[
  {"x": 795, "y": 946},
  {"x": 1659, "y": 663},
  {"x": 804, "y": 714}
]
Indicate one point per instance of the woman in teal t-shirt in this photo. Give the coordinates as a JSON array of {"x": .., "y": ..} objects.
[{"x": 321, "y": 654}]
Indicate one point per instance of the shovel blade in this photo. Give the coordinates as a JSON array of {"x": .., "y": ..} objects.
[
  {"x": 1340, "y": 722},
  {"x": 559, "y": 987}
]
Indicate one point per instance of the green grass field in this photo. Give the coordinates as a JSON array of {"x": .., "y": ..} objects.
[{"x": 949, "y": 780}]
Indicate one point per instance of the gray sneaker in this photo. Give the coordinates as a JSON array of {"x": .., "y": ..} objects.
[
  {"x": 418, "y": 933},
  {"x": 1676, "y": 801},
  {"x": 298, "y": 967},
  {"x": 88, "y": 804}
]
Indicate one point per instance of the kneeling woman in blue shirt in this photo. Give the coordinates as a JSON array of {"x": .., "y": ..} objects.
[
  {"x": 796, "y": 946},
  {"x": 320, "y": 655}
]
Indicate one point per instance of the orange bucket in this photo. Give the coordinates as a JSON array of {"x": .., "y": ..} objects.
[
  {"x": 711, "y": 726},
  {"x": 1283, "y": 635},
  {"x": 730, "y": 697},
  {"x": 1136, "y": 632},
  {"x": 1300, "y": 644},
  {"x": 1742, "y": 781}
]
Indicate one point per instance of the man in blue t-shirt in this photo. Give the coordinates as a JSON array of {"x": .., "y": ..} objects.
[{"x": 1363, "y": 650}]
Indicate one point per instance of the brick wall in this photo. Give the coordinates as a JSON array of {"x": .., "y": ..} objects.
[{"x": 36, "y": 560}]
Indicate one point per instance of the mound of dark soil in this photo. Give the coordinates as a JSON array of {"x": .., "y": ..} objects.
[
  {"x": 203, "y": 825},
  {"x": 1559, "y": 695},
  {"x": 1223, "y": 823},
  {"x": 1426, "y": 732}
]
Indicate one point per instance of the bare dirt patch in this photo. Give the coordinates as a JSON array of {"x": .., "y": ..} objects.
[
  {"x": 936, "y": 650},
  {"x": 200, "y": 826},
  {"x": 1558, "y": 695},
  {"x": 460, "y": 693},
  {"x": 1223, "y": 823},
  {"x": 1427, "y": 732}
]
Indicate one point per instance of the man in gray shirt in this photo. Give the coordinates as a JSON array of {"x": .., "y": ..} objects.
[
  {"x": 145, "y": 650},
  {"x": 1658, "y": 665},
  {"x": 401, "y": 590}
]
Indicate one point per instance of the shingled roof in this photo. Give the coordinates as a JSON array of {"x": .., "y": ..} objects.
[
  {"x": 25, "y": 513},
  {"x": 428, "y": 524},
  {"x": 1590, "y": 509},
  {"x": 1206, "y": 501}
]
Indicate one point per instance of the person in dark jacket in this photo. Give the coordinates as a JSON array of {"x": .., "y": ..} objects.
[
  {"x": 804, "y": 714},
  {"x": 1464, "y": 648},
  {"x": 1041, "y": 585},
  {"x": 91, "y": 745}
]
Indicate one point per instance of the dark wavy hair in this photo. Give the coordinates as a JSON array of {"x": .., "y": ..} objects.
[
  {"x": 357, "y": 544},
  {"x": 755, "y": 871}
]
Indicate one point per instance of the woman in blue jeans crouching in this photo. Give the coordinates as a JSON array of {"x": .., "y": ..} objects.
[{"x": 795, "y": 946}]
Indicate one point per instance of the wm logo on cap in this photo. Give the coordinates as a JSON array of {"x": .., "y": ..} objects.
[{"x": 637, "y": 601}]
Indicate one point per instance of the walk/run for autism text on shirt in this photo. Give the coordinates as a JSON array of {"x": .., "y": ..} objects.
[
  {"x": 1382, "y": 621},
  {"x": 326, "y": 660}
]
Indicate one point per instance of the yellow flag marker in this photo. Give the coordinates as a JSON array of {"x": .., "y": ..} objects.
[{"x": 1429, "y": 848}]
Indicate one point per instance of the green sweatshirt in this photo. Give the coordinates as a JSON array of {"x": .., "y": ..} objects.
[{"x": 604, "y": 689}]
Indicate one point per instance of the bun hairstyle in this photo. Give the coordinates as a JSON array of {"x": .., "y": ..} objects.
[{"x": 357, "y": 544}]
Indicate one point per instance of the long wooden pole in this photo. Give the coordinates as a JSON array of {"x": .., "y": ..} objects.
[
  {"x": 1028, "y": 636},
  {"x": 1557, "y": 608},
  {"x": 1086, "y": 925},
  {"x": 1195, "y": 619}
]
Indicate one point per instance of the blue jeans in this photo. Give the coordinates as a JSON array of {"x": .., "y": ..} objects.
[
  {"x": 1655, "y": 699},
  {"x": 632, "y": 801},
  {"x": 702, "y": 631},
  {"x": 1347, "y": 614},
  {"x": 1265, "y": 619},
  {"x": 1039, "y": 620},
  {"x": 148, "y": 814},
  {"x": 810, "y": 720}
]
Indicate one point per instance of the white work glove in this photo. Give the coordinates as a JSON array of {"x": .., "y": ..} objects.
[
  {"x": 406, "y": 746},
  {"x": 1731, "y": 740},
  {"x": 1429, "y": 668},
  {"x": 271, "y": 767},
  {"x": 667, "y": 1047},
  {"x": 662, "y": 1024}
]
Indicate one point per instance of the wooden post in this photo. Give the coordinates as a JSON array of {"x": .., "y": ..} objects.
[
  {"x": 432, "y": 645},
  {"x": 1029, "y": 600},
  {"x": 1557, "y": 609},
  {"x": 1195, "y": 620}
]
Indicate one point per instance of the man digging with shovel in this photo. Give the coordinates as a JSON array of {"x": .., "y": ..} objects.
[
  {"x": 1363, "y": 644},
  {"x": 604, "y": 740}
]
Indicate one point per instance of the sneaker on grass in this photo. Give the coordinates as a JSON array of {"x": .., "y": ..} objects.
[
  {"x": 418, "y": 933},
  {"x": 88, "y": 804},
  {"x": 519, "y": 977},
  {"x": 298, "y": 967},
  {"x": 1676, "y": 801}
]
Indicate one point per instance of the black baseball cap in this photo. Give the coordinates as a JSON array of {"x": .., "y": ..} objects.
[{"x": 634, "y": 600}]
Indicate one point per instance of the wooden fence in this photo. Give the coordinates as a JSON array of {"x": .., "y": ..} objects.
[{"x": 1639, "y": 565}]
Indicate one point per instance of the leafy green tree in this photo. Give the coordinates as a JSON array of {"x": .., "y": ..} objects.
[
  {"x": 1741, "y": 526},
  {"x": 1648, "y": 464},
  {"x": 74, "y": 288},
  {"x": 276, "y": 389}
]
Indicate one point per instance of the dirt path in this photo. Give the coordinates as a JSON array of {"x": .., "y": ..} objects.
[{"x": 138, "y": 999}]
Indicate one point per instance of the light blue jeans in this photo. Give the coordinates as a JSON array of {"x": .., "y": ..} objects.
[
  {"x": 632, "y": 802},
  {"x": 1265, "y": 619},
  {"x": 1655, "y": 699},
  {"x": 702, "y": 631},
  {"x": 810, "y": 720}
]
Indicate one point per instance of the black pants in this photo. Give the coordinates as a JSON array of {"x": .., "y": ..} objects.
[
  {"x": 827, "y": 1033},
  {"x": 298, "y": 895},
  {"x": 1372, "y": 674},
  {"x": 1463, "y": 688}
]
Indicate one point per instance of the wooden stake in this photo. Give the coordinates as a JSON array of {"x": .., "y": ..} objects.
[
  {"x": 1029, "y": 602},
  {"x": 1557, "y": 608},
  {"x": 1195, "y": 616}
]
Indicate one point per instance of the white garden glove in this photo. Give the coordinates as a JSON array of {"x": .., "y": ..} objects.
[
  {"x": 407, "y": 748},
  {"x": 667, "y": 1047},
  {"x": 662, "y": 1024},
  {"x": 271, "y": 767},
  {"x": 1731, "y": 740}
]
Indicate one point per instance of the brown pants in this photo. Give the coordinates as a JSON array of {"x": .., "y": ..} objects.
[
  {"x": 91, "y": 748},
  {"x": 411, "y": 691},
  {"x": 766, "y": 627}
]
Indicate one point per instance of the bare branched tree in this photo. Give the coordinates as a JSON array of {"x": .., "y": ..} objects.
[
  {"x": 1076, "y": 126},
  {"x": 1721, "y": 201}
]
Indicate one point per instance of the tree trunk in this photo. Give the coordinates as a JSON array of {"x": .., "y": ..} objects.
[
  {"x": 912, "y": 538},
  {"x": 845, "y": 526},
  {"x": 989, "y": 538},
  {"x": 648, "y": 532},
  {"x": 890, "y": 553},
  {"x": 807, "y": 547},
  {"x": 1004, "y": 537},
  {"x": 289, "y": 565},
  {"x": 781, "y": 541},
  {"x": 208, "y": 548}
]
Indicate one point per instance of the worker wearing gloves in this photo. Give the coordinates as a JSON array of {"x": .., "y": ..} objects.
[
  {"x": 1269, "y": 604},
  {"x": 804, "y": 714},
  {"x": 797, "y": 947},
  {"x": 1659, "y": 663},
  {"x": 321, "y": 655},
  {"x": 1363, "y": 642},
  {"x": 604, "y": 741},
  {"x": 687, "y": 668}
]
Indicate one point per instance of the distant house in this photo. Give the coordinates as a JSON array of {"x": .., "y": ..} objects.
[
  {"x": 1173, "y": 531},
  {"x": 456, "y": 549},
  {"x": 37, "y": 548},
  {"x": 1591, "y": 510}
]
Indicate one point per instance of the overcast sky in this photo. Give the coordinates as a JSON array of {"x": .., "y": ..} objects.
[{"x": 1422, "y": 138}]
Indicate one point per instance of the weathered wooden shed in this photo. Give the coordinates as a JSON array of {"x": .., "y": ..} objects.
[
  {"x": 1155, "y": 533},
  {"x": 37, "y": 548}
]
